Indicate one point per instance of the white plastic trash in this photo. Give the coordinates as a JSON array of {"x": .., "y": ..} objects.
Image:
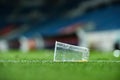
[{"x": 69, "y": 53}]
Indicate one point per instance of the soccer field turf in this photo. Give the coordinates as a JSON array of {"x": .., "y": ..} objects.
[{"x": 39, "y": 65}]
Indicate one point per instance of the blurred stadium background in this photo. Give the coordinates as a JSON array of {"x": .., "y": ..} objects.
[{"x": 36, "y": 24}]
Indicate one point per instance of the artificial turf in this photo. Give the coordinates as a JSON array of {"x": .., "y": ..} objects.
[{"x": 39, "y": 65}]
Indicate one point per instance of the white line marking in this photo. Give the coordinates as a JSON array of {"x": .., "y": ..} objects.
[{"x": 51, "y": 61}]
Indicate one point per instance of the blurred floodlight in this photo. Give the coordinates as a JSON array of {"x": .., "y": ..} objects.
[{"x": 116, "y": 53}]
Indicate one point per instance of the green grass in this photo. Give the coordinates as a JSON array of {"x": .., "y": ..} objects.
[{"x": 38, "y": 65}]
